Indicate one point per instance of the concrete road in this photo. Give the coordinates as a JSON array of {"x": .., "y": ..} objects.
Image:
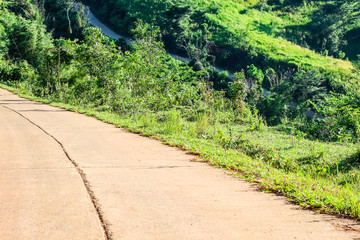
[{"x": 64, "y": 175}]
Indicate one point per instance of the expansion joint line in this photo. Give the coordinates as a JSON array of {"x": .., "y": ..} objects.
[{"x": 94, "y": 200}]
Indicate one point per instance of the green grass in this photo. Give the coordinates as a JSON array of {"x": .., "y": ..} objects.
[
  {"x": 262, "y": 31},
  {"x": 318, "y": 175}
]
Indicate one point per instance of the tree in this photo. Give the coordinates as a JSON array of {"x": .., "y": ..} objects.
[
  {"x": 65, "y": 18},
  {"x": 237, "y": 91},
  {"x": 332, "y": 22}
]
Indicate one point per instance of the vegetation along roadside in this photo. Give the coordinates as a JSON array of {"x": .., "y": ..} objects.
[
  {"x": 295, "y": 49},
  {"x": 145, "y": 91}
]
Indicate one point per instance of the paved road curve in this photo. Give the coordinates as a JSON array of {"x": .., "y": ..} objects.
[{"x": 68, "y": 176}]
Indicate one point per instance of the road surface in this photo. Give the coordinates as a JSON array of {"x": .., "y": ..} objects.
[{"x": 64, "y": 175}]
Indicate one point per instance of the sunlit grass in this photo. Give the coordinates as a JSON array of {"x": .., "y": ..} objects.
[{"x": 248, "y": 26}]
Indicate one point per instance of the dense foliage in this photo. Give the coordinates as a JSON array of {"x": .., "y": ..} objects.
[
  {"x": 96, "y": 72},
  {"x": 64, "y": 18},
  {"x": 330, "y": 26},
  {"x": 243, "y": 35}
]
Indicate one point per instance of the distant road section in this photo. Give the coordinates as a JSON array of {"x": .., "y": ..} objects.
[{"x": 105, "y": 29}]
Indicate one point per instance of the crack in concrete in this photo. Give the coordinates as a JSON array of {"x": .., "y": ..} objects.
[{"x": 94, "y": 200}]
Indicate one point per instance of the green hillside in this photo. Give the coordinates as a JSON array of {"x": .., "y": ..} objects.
[{"x": 238, "y": 25}]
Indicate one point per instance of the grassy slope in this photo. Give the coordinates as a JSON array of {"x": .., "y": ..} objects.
[
  {"x": 264, "y": 42},
  {"x": 324, "y": 176},
  {"x": 264, "y": 33}
]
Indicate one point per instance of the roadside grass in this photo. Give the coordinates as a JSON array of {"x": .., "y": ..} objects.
[{"x": 318, "y": 175}]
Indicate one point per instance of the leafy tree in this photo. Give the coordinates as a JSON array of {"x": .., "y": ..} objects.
[
  {"x": 309, "y": 85},
  {"x": 65, "y": 18},
  {"x": 3, "y": 41},
  {"x": 27, "y": 39},
  {"x": 255, "y": 79},
  {"x": 331, "y": 23},
  {"x": 342, "y": 113},
  {"x": 237, "y": 91}
]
